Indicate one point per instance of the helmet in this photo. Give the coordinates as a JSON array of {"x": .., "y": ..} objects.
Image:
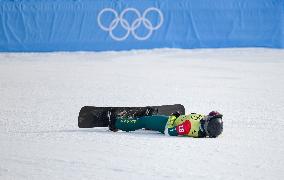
[{"x": 213, "y": 125}]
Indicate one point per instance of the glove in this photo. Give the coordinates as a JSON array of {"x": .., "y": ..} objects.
[
  {"x": 172, "y": 119},
  {"x": 176, "y": 114}
]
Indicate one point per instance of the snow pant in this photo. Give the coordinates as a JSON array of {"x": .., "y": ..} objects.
[{"x": 155, "y": 122}]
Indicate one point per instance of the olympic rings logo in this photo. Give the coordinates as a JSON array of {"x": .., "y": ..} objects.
[{"x": 130, "y": 28}]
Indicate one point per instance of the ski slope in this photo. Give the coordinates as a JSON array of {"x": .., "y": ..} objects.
[{"x": 42, "y": 93}]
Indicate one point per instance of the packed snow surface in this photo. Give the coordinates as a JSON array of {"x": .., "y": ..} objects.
[{"x": 41, "y": 95}]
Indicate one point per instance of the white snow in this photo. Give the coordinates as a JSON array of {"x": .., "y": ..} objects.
[{"x": 41, "y": 95}]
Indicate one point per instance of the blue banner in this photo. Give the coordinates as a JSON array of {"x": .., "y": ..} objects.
[{"x": 100, "y": 25}]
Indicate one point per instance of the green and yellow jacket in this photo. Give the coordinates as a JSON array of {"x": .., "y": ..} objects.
[{"x": 185, "y": 125}]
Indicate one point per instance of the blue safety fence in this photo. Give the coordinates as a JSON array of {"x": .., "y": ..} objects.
[{"x": 100, "y": 25}]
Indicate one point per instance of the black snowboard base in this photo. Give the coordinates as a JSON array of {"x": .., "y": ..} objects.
[{"x": 91, "y": 116}]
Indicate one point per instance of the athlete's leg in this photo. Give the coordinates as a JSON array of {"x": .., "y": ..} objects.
[{"x": 156, "y": 123}]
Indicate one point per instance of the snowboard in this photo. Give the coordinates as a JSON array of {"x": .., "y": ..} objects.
[{"x": 92, "y": 116}]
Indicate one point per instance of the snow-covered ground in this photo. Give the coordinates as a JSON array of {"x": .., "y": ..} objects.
[{"x": 41, "y": 95}]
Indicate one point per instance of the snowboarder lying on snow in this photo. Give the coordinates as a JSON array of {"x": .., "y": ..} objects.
[{"x": 193, "y": 125}]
